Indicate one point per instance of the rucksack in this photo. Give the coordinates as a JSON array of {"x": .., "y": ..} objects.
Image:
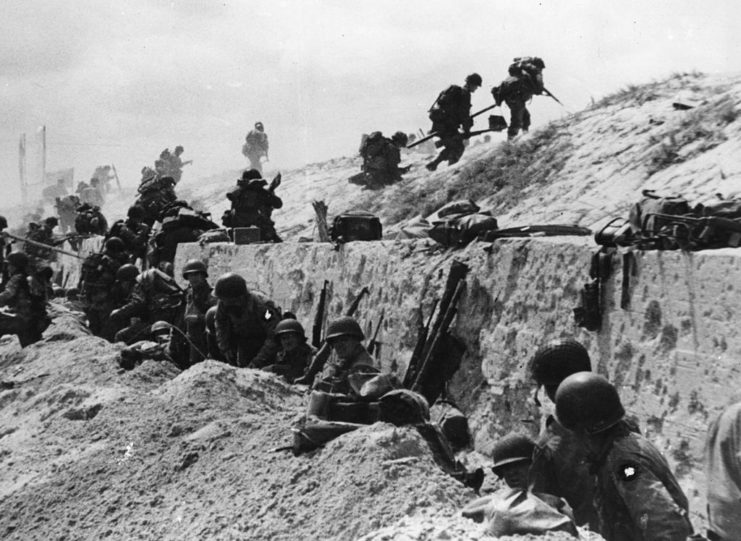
[
  {"x": 373, "y": 145},
  {"x": 459, "y": 229},
  {"x": 528, "y": 65},
  {"x": 643, "y": 223},
  {"x": 356, "y": 225}
]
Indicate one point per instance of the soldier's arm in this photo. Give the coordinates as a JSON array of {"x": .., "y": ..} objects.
[
  {"x": 11, "y": 290},
  {"x": 275, "y": 201},
  {"x": 269, "y": 349},
  {"x": 223, "y": 331},
  {"x": 652, "y": 509}
]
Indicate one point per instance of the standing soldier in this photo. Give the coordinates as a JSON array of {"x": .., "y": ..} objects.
[
  {"x": 252, "y": 205},
  {"x": 133, "y": 232},
  {"x": 198, "y": 300},
  {"x": 525, "y": 81},
  {"x": 244, "y": 324},
  {"x": 256, "y": 146},
  {"x": 67, "y": 212},
  {"x": 295, "y": 352},
  {"x": 96, "y": 284},
  {"x": 451, "y": 111},
  {"x": 559, "y": 461},
  {"x": 29, "y": 306},
  {"x": 176, "y": 163},
  {"x": 636, "y": 495}
]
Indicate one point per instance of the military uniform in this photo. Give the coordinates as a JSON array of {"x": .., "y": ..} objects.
[
  {"x": 559, "y": 467},
  {"x": 636, "y": 495},
  {"x": 97, "y": 288},
  {"x": 381, "y": 158},
  {"x": 155, "y": 195},
  {"x": 197, "y": 302},
  {"x": 723, "y": 471},
  {"x": 252, "y": 205},
  {"x": 524, "y": 82},
  {"x": 134, "y": 235},
  {"x": 245, "y": 334},
  {"x": 255, "y": 147},
  {"x": 343, "y": 375},
  {"x": 292, "y": 364},
  {"x": 67, "y": 212},
  {"x": 90, "y": 221},
  {"x": 451, "y": 111},
  {"x": 29, "y": 306},
  {"x": 156, "y": 297}
]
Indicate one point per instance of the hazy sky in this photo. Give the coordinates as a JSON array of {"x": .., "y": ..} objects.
[{"x": 118, "y": 81}]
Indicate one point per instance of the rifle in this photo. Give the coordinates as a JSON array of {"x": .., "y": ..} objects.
[
  {"x": 374, "y": 344},
  {"x": 434, "y": 134},
  {"x": 275, "y": 183},
  {"x": 423, "y": 332},
  {"x": 427, "y": 352},
  {"x": 317, "y": 363},
  {"x": 548, "y": 93},
  {"x": 115, "y": 174},
  {"x": 316, "y": 330},
  {"x": 42, "y": 245}
]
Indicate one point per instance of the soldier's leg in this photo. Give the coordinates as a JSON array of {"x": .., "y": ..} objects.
[
  {"x": 255, "y": 162},
  {"x": 454, "y": 150},
  {"x": 133, "y": 333},
  {"x": 525, "y": 119},
  {"x": 196, "y": 332},
  {"x": 516, "y": 109}
]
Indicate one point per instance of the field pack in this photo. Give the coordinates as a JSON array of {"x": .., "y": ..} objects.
[{"x": 356, "y": 225}]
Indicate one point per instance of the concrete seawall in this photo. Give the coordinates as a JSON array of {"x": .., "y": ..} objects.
[{"x": 673, "y": 352}]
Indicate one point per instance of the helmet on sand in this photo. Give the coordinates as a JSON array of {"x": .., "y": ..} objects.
[
  {"x": 230, "y": 286},
  {"x": 558, "y": 359},
  {"x": 511, "y": 449},
  {"x": 587, "y": 402},
  {"x": 344, "y": 326}
]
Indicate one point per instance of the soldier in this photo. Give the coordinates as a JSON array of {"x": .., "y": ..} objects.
[
  {"x": 67, "y": 212},
  {"x": 256, "y": 146},
  {"x": 381, "y": 158},
  {"x": 155, "y": 297},
  {"x": 353, "y": 364},
  {"x": 119, "y": 295},
  {"x": 175, "y": 164},
  {"x": 451, "y": 111},
  {"x": 91, "y": 194},
  {"x": 295, "y": 354},
  {"x": 636, "y": 495},
  {"x": 525, "y": 81},
  {"x": 3, "y": 249},
  {"x": 90, "y": 221},
  {"x": 43, "y": 235},
  {"x": 157, "y": 347},
  {"x": 252, "y": 205},
  {"x": 244, "y": 323},
  {"x": 29, "y": 318},
  {"x": 515, "y": 510},
  {"x": 723, "y": 472},
  {"x": 559, "y": 462},
  {"x": 51, "y": 193},
  {"x": 133, "y": 232},
  {"x": 97, "y": 282},
  {"x": 198, "y": 300},
  {"x": 155, "y": 195}
]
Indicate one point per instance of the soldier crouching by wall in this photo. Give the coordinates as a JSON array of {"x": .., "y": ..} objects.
[
  {"x": 29, "y": 318},
  {"x": 295, "y": 354},
  {"x": 252, "y": 205},
  {"x": 198, "y": 300},
  {"x": 244, "y": 324}
]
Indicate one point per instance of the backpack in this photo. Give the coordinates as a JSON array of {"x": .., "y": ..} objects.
[
  {"x": 373, "y": 145},
  {"x": 527, "y": 65},
  {"x": 642, "y": 221},
  {"x": 356, "y": 225},
  {"x": 460, "y": 206},
  {"x": 460, "y": 229}
]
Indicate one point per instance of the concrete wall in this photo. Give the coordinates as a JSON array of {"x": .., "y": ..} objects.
[{"x": 674, "y": 353}]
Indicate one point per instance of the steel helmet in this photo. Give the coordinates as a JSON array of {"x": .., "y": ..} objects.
[
  {"x": 587, "y": 402},
  {"x": 288, "y": 326},
  {"x": 159, "y": 327},
  {"x": 558, "y": 359},
  {"x": 127, "y": 273},
  {"x": 115, "y": 244},
  {"x": 474, "y": 79},
  {"x": 259, "y": 126},
  {"x": 3, "y": 222},
  {"x": 344, "y": 326},
  {"x": 400, "y": 138},
  {"x": 194, "y": 265},
  {"x": 18, "y": 259},
  {"x": 511, "y": 449},
  {"x": 230, "y": 286},
  {"x": 136, "y": 212}
]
